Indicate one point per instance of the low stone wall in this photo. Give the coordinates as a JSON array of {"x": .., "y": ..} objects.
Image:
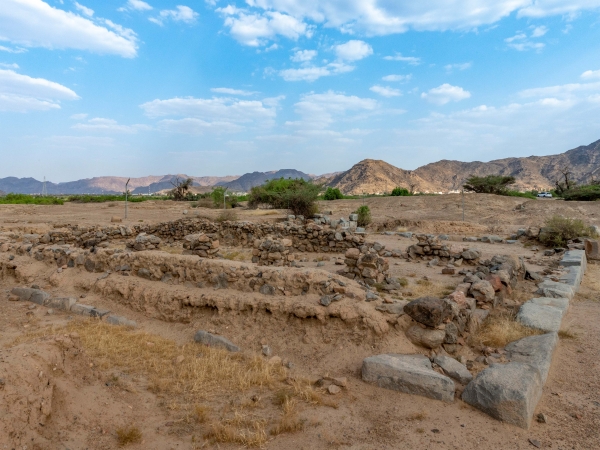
[
  {"x": 273, "y": 252},
  {"x": 431, "y": 247},
  {"x": 144, "y": 242},
  {"x": 201, "y": 244},
  {"x": 365, "y": 266}
]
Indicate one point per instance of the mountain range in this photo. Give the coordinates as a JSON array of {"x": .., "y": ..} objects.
[{"x": 366, "y": 177}]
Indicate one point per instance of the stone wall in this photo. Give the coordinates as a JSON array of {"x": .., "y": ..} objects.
[
  {"x": 201, "y": 244},
  {"x": 273, "y": 252},
  {"x": 365, "y": 266}
]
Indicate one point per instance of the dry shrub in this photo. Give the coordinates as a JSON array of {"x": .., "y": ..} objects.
[
  {"x": 204, "y": 372},
  {"x": 403, "y": 282},
  {"x": 423, "y": 288},
  {"x": 227, "y": 215},
  {"x": 558, "y": 230},
  {"x": 128, "y": 435},
  {"x": 201, "y": 412},
  {"x": 567, "y": 333},
  {"x": 240, "y": 429},
  {"x": 289, "y": 422},
  {"x": 235, "y": 256},
  {"x": 500, "y": 328},
  {"x": 421, "y": 415}
]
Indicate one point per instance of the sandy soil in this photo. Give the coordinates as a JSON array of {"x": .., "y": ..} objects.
[{"x": 87, "y": 408}]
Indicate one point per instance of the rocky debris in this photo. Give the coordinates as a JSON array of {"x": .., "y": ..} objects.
[
  {"x": 412, "y": 374},
  {"x": 507, "y": 392},
  {"x": 426, "y": 337},
  {"x": 143, "y": 242},
  {"x": 483, "y": 292},
  {"x": 430, "y": 311},
  {"x": 211, "y": 340},
  {"x": 430, "y": 247},
  {"x": 365, "y": 266},
  {"x": 453, "y": 369},
  {"x": 201, "y": 244},
  {"x": 273, "y": 252}
]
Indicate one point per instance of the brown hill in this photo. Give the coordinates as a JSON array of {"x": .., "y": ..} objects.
[
  {"x": 372, "y": 176},
  {"x": 533, "y": 172}
]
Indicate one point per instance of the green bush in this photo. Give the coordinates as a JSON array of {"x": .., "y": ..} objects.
[
  {"x": 558, "y": 230},
  {"x": 490, "y": 184},
  {"x": 91, "y": 198},
  {"x": 24, "y": 199},
  {"x": 364, "y": 215},
  {"x": 520, "y": 194},
  {"x": 586, "y": 192},
  {"x": 297, "y": 195},
  {"x": 333, "y": 194},
  {"x": 400, "y": 192}
]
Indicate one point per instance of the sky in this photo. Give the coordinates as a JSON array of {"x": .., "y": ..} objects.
[{"x": 224, "y": 87}]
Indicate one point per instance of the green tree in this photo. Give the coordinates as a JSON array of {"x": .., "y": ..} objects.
[
  {"x": 400, "y": 192},
  {"x": 364, "y": 215},
  {"x": 297, "y": 195},
  {"x": 217, "y": 196},
  {"x": 333, "y": 194},
  {"x": 490, "y": 184},
  {"x": 181, "y": 189}
]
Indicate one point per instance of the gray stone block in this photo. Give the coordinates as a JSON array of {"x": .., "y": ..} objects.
[
  {"x": 507, "y": 392},
  {"x": 573, "y": 277},
  {"x": 84, "y": 310},
  {"x": 574, "y": 258},
  {"x": 536, "y": 351},
  {"x": 560, "y": 303},
  {"x": 97, "y": 312},
  {"x": 453, "y": 369},
  {"x": 211, "y": 340},
  {"x": 32, "y": 295},
  {"x": 64, "y": 304},
  {"x": 411, "y": 374},
  {"x": 541, "y": 317},
  {"x": 119, "y": 320},
  {"x": 553, "y": 289}
]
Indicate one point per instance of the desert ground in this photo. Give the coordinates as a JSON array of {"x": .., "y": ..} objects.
[{"x": 107, "y": 380}]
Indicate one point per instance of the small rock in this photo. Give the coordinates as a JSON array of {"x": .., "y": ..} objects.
[
  {"x": 333, "y": 389},
  {"x": 266, "y": 350},
  {"x": 320, "y": 264},
  {"x": 275, "y": 361},
  {"x": 341, "y": 382},
  {"x": 425, "y": 337},
  {"x": 179, "y": 359},
  {"x": 50, "y": 312},
  {"x": 541, "y": 418},
  {"x": 535, "y": 443}
]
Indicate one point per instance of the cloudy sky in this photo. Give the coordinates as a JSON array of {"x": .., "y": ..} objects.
[{"x": 222, "y": 87}]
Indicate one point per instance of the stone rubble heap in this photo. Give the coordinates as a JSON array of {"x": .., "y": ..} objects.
[
  {"x": 273, "y": 252},
  {"x": 366, "y": 266},
  {"x": 201, "y": 244},
  {"x": 143, "y": 242},
  {"x": 430, "y": 248}
]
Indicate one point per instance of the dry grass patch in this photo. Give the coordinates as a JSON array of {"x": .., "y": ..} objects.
[
  {"x": 128, "y": 435},
  {"x": 289, "y": 421},
  {"x": 567, "y": 333},
  {"x": 421, "y": 415},
  {"x": 240, "y": 429},
  {"x": 501, "y": 328},
  {"x": 423, "y": 288}
]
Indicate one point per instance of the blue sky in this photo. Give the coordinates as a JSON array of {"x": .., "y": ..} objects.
[{"x": 217, "y": 87}]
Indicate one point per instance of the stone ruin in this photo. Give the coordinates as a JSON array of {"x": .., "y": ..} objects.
[
  {"x": 367, "y": 266},
  {"x": 201, "y": 244},
  {"x": 143, "y": 242},
  {"x": 273, "y": 252}
]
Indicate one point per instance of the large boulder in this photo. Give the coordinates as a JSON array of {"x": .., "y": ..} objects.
[
  {"x": 411, "y": 374},
  {"x": 429, "y": 311},
  {"x": 426, "y": 337},
  {"x": 507, "y": 392},
  {"x": 483, "y": 291}
]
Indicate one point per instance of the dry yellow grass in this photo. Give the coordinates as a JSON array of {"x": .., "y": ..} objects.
[
  {"x": 289, "y": 421},
  {"x": 240, "y": 429},
  {"x": 423, "y": 288},
  {"x": 500, "y": 328},
  {"x": 128, "y": 435}
]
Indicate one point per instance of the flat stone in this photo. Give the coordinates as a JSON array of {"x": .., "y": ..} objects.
[
  {"x": 453, "y": 369},
  {"x": 211, "y": 340},
  {"x": 64, "y": 304},
  {"x": 553, "y": 289},
  {"x": 393, "y": 308},
  {"x": 411, "y": 374},
  {"x": 573, "y": 258},
  {"x": 84, "y": 310},
  {"x": 267, "y": 289},
  {"x": 573, "y": 276},
  {"x": 536, "y": 351},
  {"x": 120, "y": 320},
  {"x": 541, "y": 317},
  {"x": 36, "y": 296},
  {"x": 429, "y": 311},
  {"x": 507, "y": 392},
  {"x": 560, "y": 303}
]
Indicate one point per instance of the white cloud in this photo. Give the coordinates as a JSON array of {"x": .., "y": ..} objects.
[
  {"x": 313, "y": 73},
  {"x": 108, "y": 125},
  {"x": 79, "y": 142},
  {"x": 412, "y": 60},
  {"x": 590, "y": 74},
  {"x": 460, "y": 66},
  {"x": 257, "y": 29},
  {"x": 397, "y": 77},
  {"x": 213, "y": 114},
  {"x": 386, "y": 91},
  {"x": 564, "y": 91},
  {"x": 12, "y": 50},
  {"x": 230, "y": 91},
  {"x": 179, "y": 14},
  {"x": 9, "y": 66},
  {"x": 353, "y": 50},
  {"x": 135, "y": 5},
  {"x": 539, "y": 31},
  {"x": 303, "y": 55},
  {"x": 80, "y": 116},
  {"x": 544, "y": 8},
  {"x": 320, "y": 111},
  {"x": 445, "y": 93},
  {"x": 84, "y": 9},
  {"x": 34, "y": 23},
  {"x": 22, "y": 93}
]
